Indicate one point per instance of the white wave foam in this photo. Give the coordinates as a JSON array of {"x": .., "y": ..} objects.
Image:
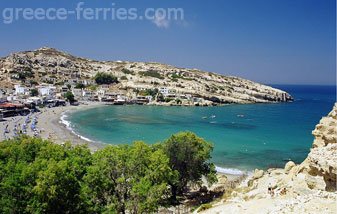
[
  {"x": 231, "y": 171},
  {"x": 67, "y": 123}
]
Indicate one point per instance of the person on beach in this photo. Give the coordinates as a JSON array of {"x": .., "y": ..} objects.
[{"x": 269, "y": 188}]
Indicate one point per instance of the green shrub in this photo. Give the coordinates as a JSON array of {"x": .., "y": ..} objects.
[
  {"x": 127, "y": 71},
  {"x": 204, "y": 207},
  {"x": 104, "y": 78},
  {"x": 151, "y": 73}
]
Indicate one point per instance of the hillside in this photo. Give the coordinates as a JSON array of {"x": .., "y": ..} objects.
[{"x": 53, "y": 66}]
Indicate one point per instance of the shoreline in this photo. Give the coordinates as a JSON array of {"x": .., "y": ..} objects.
[{"x": 57, "y": 128}]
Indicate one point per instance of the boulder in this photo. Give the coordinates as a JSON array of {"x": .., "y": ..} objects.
[
  {"x": 222, "y": 179},
  {"x": 289, "y": 166},
  {"x": 258, "y": 174}
]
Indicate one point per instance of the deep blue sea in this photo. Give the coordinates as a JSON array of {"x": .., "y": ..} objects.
[{"x": 268, "y": 135}]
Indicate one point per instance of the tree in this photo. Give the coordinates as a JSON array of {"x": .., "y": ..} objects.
[
  {"x": 127, "y": 179},
  {"x": 69, "y": 86},
  {"x": 104, "y": 78},
  {"x": 34, "y": 92},
  {"x": 189, "y": 156},
  {"x": 69, "y": 96},
  {"x": 80, "y": 85},
  {"x": 39, "y": 176}
]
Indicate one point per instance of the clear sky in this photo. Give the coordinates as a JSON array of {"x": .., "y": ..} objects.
[{"x": 267, "y": 41}]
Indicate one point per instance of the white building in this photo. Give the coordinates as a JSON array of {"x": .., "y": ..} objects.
[
  {"x": 77, "y": 92},
  {"x": 164, "y": 91},
  {"x": 86, "y": 93},
  {"x": 149, "y": 98},
  {"x": 21, "y": 90},
  {"x": 46, "y": 90}
]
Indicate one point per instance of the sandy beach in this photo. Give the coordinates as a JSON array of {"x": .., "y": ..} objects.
[{"x": 49, "y": 126}]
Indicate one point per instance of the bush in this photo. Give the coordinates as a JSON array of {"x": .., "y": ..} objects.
[
  {"x": 80, "y": 85},
  {"x": 127, "y": 71},
  {"x": 34, "y": 92},
  {"x": 204, "y": 207},
  {"x": 39, "y": 176},
  {"x": 104, "y": 78},
  {"x": 167, "y": 99},
  {"x": 70, "y": 97},
  {"x": 155, "y": 74},
  {"x": 124, "y": 78}
]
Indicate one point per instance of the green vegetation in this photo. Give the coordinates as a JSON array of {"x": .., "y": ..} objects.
[
  {"x": 124, "y": 78},
  {"x": 59, "y": 83},
  {"x": 149, "y": 92},
  {"x": 104, "y": 78},
  {"x": 204, "y": 207},
  {"x": 33, "y": 82},
  {"x": 92, "y": 87},
  {"x": 39, "y": 176},
  {"x": 151, "y": 73},
  {"x": 69, "y": 96},
  {"x": 175, "y": 77},
  {"x": 188, "y": 155},
  {"x": 127, "y": 71},
  {"x": 34, "y": 92},
  {"x": 80, "y": 85},
  {"x": 167, "y": 99},
  {"x": 27, "y": 69}
]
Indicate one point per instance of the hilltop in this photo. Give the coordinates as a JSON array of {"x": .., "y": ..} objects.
[{"x": 189, "y": 86}]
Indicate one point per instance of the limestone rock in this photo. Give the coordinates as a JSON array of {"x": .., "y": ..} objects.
[
  {"x": 322, "y": 159},
  {"x": 258, "y": 174},
  {"x": 289, "y": 166},
  {"x": 222, "y": 179}
]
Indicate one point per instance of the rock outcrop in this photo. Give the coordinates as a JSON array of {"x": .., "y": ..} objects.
[
  {"x": 322, "y": 159},
  {"x": 309, "y": 187},
  {"x": 211, "y": 87}
]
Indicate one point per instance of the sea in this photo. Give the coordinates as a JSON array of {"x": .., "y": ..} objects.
[{"x": 245, "y": 136}]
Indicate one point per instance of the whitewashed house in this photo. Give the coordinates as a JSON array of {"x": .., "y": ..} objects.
[
  {"x": 46, "y": 90},
  {"x": 77, "y": 92},
  {"x": 164, "y": 91},
  {"x": 21, "y": 90}
]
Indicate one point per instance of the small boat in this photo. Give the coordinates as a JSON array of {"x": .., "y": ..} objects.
[
  {"x": 241, "y": 115},
  {"x": 204, "y": 117},
  {"x": 213, "y": 116}
]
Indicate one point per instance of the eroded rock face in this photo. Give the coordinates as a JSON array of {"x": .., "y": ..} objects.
[{"x": 322, "y": 159}]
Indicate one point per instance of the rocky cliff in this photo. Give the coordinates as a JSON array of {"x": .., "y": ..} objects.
[
  {"x": 48, "y": 62},
  {"x": 309, "y": 187}
]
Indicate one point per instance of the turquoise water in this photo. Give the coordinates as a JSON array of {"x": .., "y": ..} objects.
[{"x": 267, "y": 136}]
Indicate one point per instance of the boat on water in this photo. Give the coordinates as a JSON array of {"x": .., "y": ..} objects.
[
  {"x": 204, "y": 117},
  {"x": 241, "y": 115},
  {"x": 213, "y": 116}
]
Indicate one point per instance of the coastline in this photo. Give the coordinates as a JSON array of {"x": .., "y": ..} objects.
[{"x": 56, "y": 128}]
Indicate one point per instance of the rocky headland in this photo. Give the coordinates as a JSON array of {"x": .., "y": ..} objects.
[{"x": 51, "y": 66}]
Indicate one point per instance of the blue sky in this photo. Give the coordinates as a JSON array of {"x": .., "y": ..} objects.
[{"x": 267, "y": 41}]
